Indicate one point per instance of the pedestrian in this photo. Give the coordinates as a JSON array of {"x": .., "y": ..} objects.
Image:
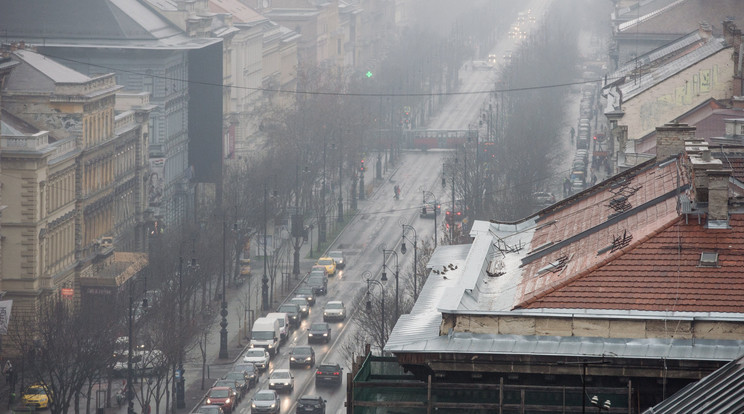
[
  {"x": 8, "y": 371},
  {"x": 594, "y": 179},
  {"x": 573, "y": 132}
]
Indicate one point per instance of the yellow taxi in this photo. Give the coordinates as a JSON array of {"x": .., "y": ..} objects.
[
  {"x": 329, "y": 264},
  {"x": 35, "y": 396}
]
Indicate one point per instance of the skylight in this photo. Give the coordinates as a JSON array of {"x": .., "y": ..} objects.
[{"x": 708, "y": 259}]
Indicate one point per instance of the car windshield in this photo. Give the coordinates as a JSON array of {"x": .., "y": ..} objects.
[
  {"x": 35, "y": 391},
  {"x": 262, "y": 335},
  {"x": 325, "y": 262},
  {"x": 234, "y": 376},
  {"x": 288, "y": 308},
  {"x": 318, "y": 327},
  {"x": 280, "y": 374},
  {"x": 299, "y": 301},
  {"x": 214, "y": 409},
  {"x": 302, "y": 351},
  {"x": 240, "y": 368},
  {"x": 256, "y": 353},
  {"x": 225, "y": 383},
  {"x": 336, "y": 305},
  {"x": 264, "y": 396},
  {"x": 309, "y": 400},
  {"x": 221, "y": 393}
]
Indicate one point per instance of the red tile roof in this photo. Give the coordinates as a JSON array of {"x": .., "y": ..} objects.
[
  {"x": 640, "y": 273},
  {"x": 663, "y": 273}
]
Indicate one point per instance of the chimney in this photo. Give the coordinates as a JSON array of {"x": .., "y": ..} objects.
[
  {"x": 670, "y": 139},
  {"x": 706, "y": 32},
  {"x": 718, "y": 181}
]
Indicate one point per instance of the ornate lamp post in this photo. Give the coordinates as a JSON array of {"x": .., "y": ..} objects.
[
  {"x": 130, "y": 350},
  {"x": 385, "y": 255},
  {"x": 223, "y": 312},
  {"x": 179, "y": 379},
  {"x": 406, "y": 229},
  {"x": 367, "y": 275}
]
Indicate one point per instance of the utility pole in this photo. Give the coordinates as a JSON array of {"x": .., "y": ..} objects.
[{"x": 265, "y": 278}]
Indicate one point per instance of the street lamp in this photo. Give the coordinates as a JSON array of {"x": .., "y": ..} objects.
[
  {"x": 436, "y": 206},
  {"x": 130, "y": 350},
  {"x": 223, "y": 312},
  {"x": 606, "y": 406},
  {"x": 178, "y": 377},
  {"x": 407, "y": 228},
  {"x": 367, "y": 275},
  {"x": 265, "y": 279},
  {"x": 385, "y": 253}
]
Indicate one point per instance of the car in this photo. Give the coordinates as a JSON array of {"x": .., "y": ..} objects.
[
  {"x": 292, "y": 311},
  {"x": 318, "y": 283},
  {"x": 249, "y": 371},
  {"x": 281, "y": 379},
  {"x": 329, "y": 264},
  {"x": 209, "y": 409},
  {"x": 265, "y": 401},
  {"x": 543, "y": 198},
  {"x": 430, "y": 209},
  {"x": 334, "y": 311},
  {"x": 459, "y": 213},
  {"x": 259, "y": 357},
  {"x": 236, "y": 393},
  {"x": 238, "y": 379},
  {"x": 306, "y": 292},
  {"x": 319, "y": 270},
  {"x": 338, "y": 257},
  {"x": 36, "y": 396},
  {"x": 319, "y": 332},
  {"x": 222, "y": 396},
  {"x": 302, "y": 356},
  {"x": 302, "y": 303},
  {"x": 311, "y": 404},
  {"x": 329, "y": 374}
]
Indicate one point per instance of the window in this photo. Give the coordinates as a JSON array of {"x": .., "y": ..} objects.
[{"x": 708, "y": 259}]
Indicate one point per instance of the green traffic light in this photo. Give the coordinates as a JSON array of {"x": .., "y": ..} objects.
[{"x": 369, "y": 74}]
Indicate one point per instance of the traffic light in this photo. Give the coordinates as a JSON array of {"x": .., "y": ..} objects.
[{"x": 362, "y": 167}]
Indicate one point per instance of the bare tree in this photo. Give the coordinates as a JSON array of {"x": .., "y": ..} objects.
[{"x": 64, "y": 348}]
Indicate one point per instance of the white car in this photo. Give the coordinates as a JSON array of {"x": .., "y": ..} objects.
[
  {"x": 281, "y": 380},
  {"x": 334, "y": 311},
  {"x": 259, "y": 357}
]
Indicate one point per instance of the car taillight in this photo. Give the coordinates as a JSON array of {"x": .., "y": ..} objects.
[
  {"x": 336, "y": 373},
  {"x": 318, "y": 372}
]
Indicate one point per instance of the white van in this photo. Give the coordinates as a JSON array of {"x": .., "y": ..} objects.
[
  {"x": 265, "y": 334},
  {"x": 283, "y": 319}
]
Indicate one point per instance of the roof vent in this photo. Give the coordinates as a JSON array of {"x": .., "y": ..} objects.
[{"x": 708, "y": 259}]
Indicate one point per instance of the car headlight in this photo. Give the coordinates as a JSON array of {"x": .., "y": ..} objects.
[
  {"x": 292, "y": 359},
  {"x": 227, "y": 401},
  {"x": 309, "y": 334},
  {"x": 271, "y": 346},
  {"x": 273, "y": 405},
  {"x": 325, "y": 334},
  {"x": 325, "y": 313},
  {"x": 253, "y": 405},
  {"x": 209, "y": 401}
]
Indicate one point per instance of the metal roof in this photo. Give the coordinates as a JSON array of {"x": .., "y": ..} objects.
[
  {"x": 720, "y": 392},
  {"x": 633, "y": 87},
  {"x": 574, "y": 346}
]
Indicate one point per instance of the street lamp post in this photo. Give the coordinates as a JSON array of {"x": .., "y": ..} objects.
[
  {"x": 223, "y": 312},
  {"x": 179, "y": 379},
  {"x": 265, "y": 279},
  {"x": 385, "y": 253},
  {"x": 130, "y": 350},
  {"x": 407, "y": 228},
  {"x": 436, "y": 206},
  {"x": 340, "y": 216},
  {"x": 367, "y": 275}
]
